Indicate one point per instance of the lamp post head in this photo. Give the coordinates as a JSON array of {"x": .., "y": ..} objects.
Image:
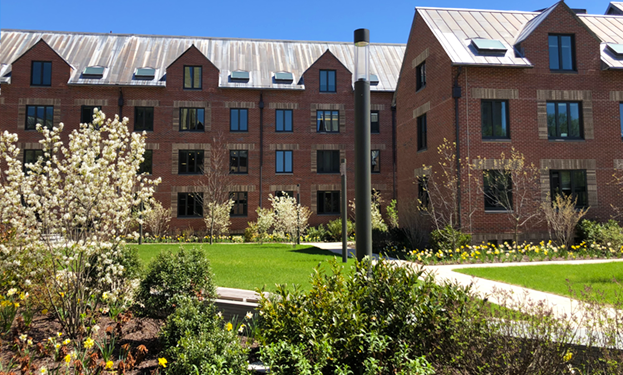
[{"x": 362, "y": 54}]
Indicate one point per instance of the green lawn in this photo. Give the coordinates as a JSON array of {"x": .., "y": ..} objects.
[
  {"x": 558, "y": 278},
  {"x": 250, "y": 266}
]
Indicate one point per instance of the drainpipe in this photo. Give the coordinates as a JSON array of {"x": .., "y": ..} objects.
[
  {"x": 394, "y": 156},
  {"x": 261, "y": 105},
  {"x": 120, "y": 102},
  {"x": 456, "y": 94}
]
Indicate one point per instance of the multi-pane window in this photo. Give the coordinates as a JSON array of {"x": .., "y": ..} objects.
[
  {"x": 498, "y": 190},
  {"x": 144, "y": 118},
  {"x": 328, "y": 161},
  {"x": 192, "y": 119},
  {"x": 283, "y": 162},
  {"x": 421, "y": 133},
  {"x": 561, "y": 52},
  {"x": 191, "y": 162},
  {"x": 569, "y": 182},
  {"x": 147, "y": 163},
  {"x": 327, "y": 81},
  {"x": 564, "y": 120},
  {"x": 374, "y": 122},
  {"x": 494, "y": 114},
  {"x": 420, "y": 76},
  {"x": 422, "y": 191},
  {"x": 39, "y": 114},
  {"x": 238, "y": 120},
  {"x": 327, "y": 121},
  {"x": 283, "y": 120},
  {"x": 87, "y": 112},
  {"x": 189, "y": 204},
  {"x": 240, "y": 203},
  {"x": 238, "y": 161},
  {"x": 31, "y": 156},
  {"x": 376, "y": 161},
  {"x": 41, "y": 73},
  {"x": 192, "y": 77},
  {"x": 328, "y": 202}
]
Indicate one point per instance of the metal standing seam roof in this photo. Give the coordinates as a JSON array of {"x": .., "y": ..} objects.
[
  {"x": 455, "y": 28},
  {"x": 122, "y": 54}
]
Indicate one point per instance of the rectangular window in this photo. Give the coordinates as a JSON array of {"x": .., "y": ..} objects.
[
  {"x": 189, "y": 204},
  {"x": 328, "y": 202},
  {"x": 192, "y": 119},
  {"x": 420, "y": 76},
  {"x": 283, "y": 120},
  {"x": 87, "y": 112},
  {"x": 191, "y": 162},
  {"x": 328, "y": 161},
  {"x": 147, "y": 163},
  {"x": 376, "y": 161},
  {"x": 238, "y": 120},
  {"x": 327, "y": 81},
  {"x": 192, "y": 77},
  {"x": 569, "y": 182},
  {"x": 284, "y": 194},
  {"x": 494, "y": 115},
  {"x": 41, "y": 73},
  {"x": 31, "y": 156},
  {"x": 421, "y": 133},
  {"x": 240, "y": 203},
  {"x": 144, "y": 119},
  {"x": 498, "y": 190},
  {"x": 238, "y": 161},
  {"x": 283, "y": 162},
  {"x": 328, "y": 121},
  {"x": 39, "y": 114},
  {"x": 422, "y": 191},
  {"x": 375, "y": 127},
  {"x": 561, "y": 52},
  {"x": 564, "y": 120}
]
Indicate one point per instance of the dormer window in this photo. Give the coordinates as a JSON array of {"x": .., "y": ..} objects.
[
  {"x": 374, "y": 79},
  {"x": 41, "y": 73},
  {"x": 327, "y": 81},
  {"x": 144, "y": 73},
  {"x": 616, "y": 49},
  {"x": 489, "y": 46},
  {"x": 192, "y": 77},
  {"x": 561, "y": 52},
  {"x": 93, "y": 72},
  {"x": 284, "y": 77},
  {"x": 240, "y": 75}
]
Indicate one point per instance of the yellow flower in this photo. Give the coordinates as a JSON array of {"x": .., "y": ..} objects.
[
  {"x": 88, "y": 343},
  {"x": 109, "y": 365},
  {"x": 229, "y": 327},
  {"x": 66, "y": 342},
  {"x": 44, "y": 311},
  {"x": 568, "y": 357},
  {"x": 67, "y": 359},
  {"x": 59, "y": 334},
  {"x": 16, "y": 304},
  {"x": 163, "y": 361}
]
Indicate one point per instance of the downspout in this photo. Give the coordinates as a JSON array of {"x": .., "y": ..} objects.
[
  {"x": 394, "y": 156},
  {"x": 261, "y": 105},
  {"x": 120, "y": 102},
  {"x": 456, "y": 94}
]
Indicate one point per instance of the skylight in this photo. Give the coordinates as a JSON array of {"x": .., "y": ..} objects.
[
  {"x": 374, "y": 79},
  {"x": 284, "y": 77},
  {"x": 144, "y": 73},
  {"x": 240, "y": 75},
  {"x": 94, "y": 71},
  {"x": 617, "y": 49},
  {"x": 489, "y": 45}
]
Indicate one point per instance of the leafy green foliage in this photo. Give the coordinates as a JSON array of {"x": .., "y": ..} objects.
[
  {"x": 318, "y": 233},
  {"x": 608, "y": 233},
  {"x": 334, "y": 228},
  {"x": 449, "y": 238},
  {"x": 184, "y": 273}
]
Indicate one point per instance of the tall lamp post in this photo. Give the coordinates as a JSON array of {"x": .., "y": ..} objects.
[{"x": 363, "y": 183}]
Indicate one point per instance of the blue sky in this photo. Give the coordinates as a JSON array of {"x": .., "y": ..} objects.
[{"x": 326, "y": 20}]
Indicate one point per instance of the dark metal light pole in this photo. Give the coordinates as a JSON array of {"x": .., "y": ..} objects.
[
  {"x": 298, "y": 214},
  {"x": 344, "y": 213},
  {"x": 363, "y": 183}
]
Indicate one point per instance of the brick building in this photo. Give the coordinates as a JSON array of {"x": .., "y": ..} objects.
[
  {"x": 547, "y": 83},
  {"x": 284, "y": 109}
]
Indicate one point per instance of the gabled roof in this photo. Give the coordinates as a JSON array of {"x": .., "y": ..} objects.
[
  {"x": 531, "y": 25},
  {"x": 615, "y": 8},
  {"x": 123, "y": 53}
]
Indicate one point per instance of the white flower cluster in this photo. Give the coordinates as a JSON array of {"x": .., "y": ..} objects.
[{"x": 290, "y": 217}]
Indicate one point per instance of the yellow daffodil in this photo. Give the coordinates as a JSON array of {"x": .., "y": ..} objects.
[
  {"x": 163, "y": 361},
  {"x": 67, "y": 359},
  {"x": 229, "y": 327},
  {"x": 88, "y": 343},
  {"x": 109, "y": 365}
]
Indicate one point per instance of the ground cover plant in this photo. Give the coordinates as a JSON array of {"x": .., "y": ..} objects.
[
  {"x": 562, "y": 279},
  {"x": 251, "y": 266}
]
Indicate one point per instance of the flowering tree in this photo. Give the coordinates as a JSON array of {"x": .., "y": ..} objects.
[
  {"x": 290, "y": 217},
  {"x": 265, "y": 220},
  {"x": 157, "y": 220},
  {"x": 71, "y": 207},
  {"x": 375, "y": 211}
]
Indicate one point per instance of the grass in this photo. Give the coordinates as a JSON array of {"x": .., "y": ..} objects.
[
  {"x": 250, "y": 266},
  {"x": 558, "y": 278}
]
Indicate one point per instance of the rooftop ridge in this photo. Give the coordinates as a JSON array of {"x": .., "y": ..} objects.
[{"x": 478, "y": 10}]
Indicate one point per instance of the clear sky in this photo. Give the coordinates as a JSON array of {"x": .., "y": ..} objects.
[{"x": 389, "y": 21}]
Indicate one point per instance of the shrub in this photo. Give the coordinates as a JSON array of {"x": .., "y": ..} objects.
[
  {"x": 196, "y": 341},
  {"x": 449, "y": 238},
  {"x": 250, "y": 232},
  {"x": 609, "y": 233},
  {"x": 335, "y": 229},
  {"x": 169, "y": 275},
  {"x": 318, "y": 233}
]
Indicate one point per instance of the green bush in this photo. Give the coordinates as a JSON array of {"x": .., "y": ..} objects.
[
  {"x": 334, "y": 228},
  {"x": 169, "y": 275},
  {"x": 380, "y": 320},
  {"x": 318, "y": 233},
  {"x": 250, "y": 232},
  {"x": 195, "y": 341},
  {"x": 608, "y": 234},
  {"x": 449, "y": 238}
]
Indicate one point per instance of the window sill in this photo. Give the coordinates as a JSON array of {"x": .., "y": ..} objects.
[
  {"x": 238, "y": 215},
  {"x": 564, "y": 71},
  {"x": 420, "y": 89},
  {"x": 238, "y": 131},
  {"x": 143, "y": 130},
  {"x": 192, "y": 89},
  {"x": 327, "y": 132},
  {"x": 284, "y": 173},
  {"x": 422, "y": 150},
  {"x": 190, "y": 217},
  {"x": 40, "y": 86},
  {"x": 497, "y": 211},
  {"x": 495, "y": 140},
  {"x": 284, "y": 131},
  {"x": 189, "y": 174},
  {"x": 571, "y": 140},
  {"x": 239, "y": 173},
  {"x": 328, "y": 214},
  {"x": 338, "y": 172},
  {"x": 192, "y": 131},
  {"x": 328, "y": 92}
]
